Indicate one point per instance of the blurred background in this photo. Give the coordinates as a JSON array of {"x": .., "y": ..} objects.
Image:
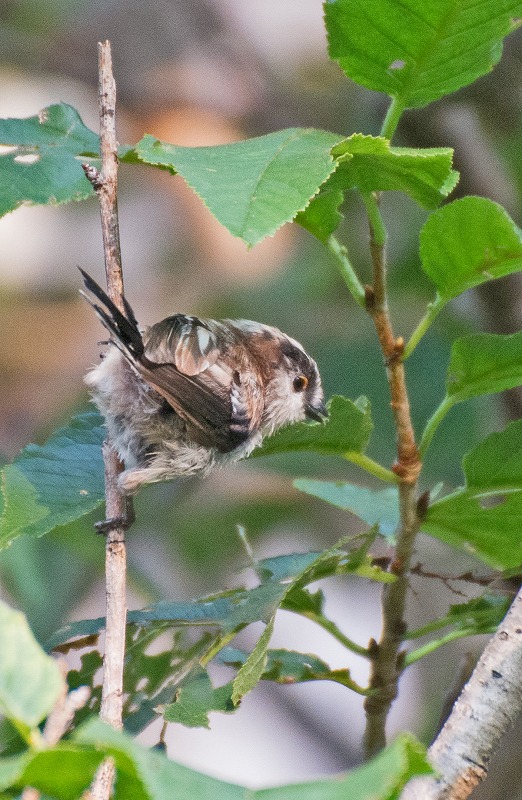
[{"x": 204, "y": 72}]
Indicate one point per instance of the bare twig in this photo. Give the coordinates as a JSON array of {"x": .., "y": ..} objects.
[
  {"x": 105, "y": 184},
  {"x": 387, "y": 661},
  {"x": 487, "y": 707}
]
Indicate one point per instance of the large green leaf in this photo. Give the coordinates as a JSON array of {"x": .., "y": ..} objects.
[
  {"x": 418, "y": 50},
  {"x": 469, "y": 242},
  {"x": 56, "y": 483},
  {"x": 484, "y": 363},
  {"x": 369, "y": 164},
  {"x": 30, "y": 681},
  {"x": 64, "y": 773},
  {"x": 42, "y": 156},
  {"x": 253, "y": 186},
  {"x": 145, "y": 774},
  {"x": 376, "y": 508},
  {"x": 485, "y": 516},
  {"x": 346, "y": 430}
]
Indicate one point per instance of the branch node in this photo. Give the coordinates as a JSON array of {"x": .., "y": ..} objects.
[{"x": 93, "y": 176}]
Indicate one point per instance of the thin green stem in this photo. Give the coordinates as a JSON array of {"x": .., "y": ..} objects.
[
  {"x": 451, "y": 636},
  {"x": 374, "y": 215},
  {"x": 391, "y": 120},
  {"x": 433, "y": 423},
  {"x": 332, "y": 629},
  {"x": 371, "y": 466},
  {"x": 353, "y": 283},
  {"x": 432, "y": 311}
]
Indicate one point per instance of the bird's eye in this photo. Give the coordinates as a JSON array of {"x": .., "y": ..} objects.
[{"x": 300, "y": 383}]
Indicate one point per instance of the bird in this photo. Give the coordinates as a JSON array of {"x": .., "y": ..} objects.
[{"x": 188, "y": 394}]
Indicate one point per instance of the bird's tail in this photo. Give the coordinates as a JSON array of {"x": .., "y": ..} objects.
[{"x": 122, "y": 327}]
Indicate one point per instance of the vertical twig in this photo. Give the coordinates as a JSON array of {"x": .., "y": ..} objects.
[
  {"x": 386, "y": 658},
  {"x": 105, "y": 184}
]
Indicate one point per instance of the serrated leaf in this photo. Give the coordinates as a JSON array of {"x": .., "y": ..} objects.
[
  {"x": 376, "y": 508},
  {"x": 484, "y": 363},
  {"x": 484, "y": 516},
  {"x": 30, "y": 681},
  {"x": 43, "y": 163},
  {"x": 347, "y": 430},
  {"x": 289, "y": 666},
  {"x": 370, "y": 164},
  {"x": 479, "y": 615},
  {"x": 469, "y": 242},
  {"x": 253, "y": 186},
  {"x": 196, "y": 698},
  {"x": 56, "y": 483},
  {"x": 251, "y": 671},
  {"x": 417, "y": 50}
]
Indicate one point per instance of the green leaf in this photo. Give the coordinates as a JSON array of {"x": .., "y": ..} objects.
[
  {"x": 253, "y": 186},
  {"x": 56, "y": 483},
  {"x": 196, "y": 698},
  {"x": 43, "y": 162},
  {"x": 65, "y": 772},
  {"x": 469, "y": 242},
  {"x": 484, "y": 516},
  {"x": 370, "y": 164},
  {"x": 289, "y": 666},
  {"x": 494, "y": 465},
  {"x": 375, "y": 508},
  {"x": 414, "y": 50},
  {"x": 479, "y": 615},
  {"x": 251, "y": 671},
  {"x": 382, "y": 778},
  {"x": 145, "y": 774},
  {"x": 346, "y": 430},
  {"x": 484, "y": 363},
  {"x": 30, "y": 681}
]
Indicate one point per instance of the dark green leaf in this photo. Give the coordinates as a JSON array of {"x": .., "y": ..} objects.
[
  {"x": 30, "y": 681},
  {"x": 469, "y": 242},
  {"x": 415, "y": 50},
  {"x": 376, "y": 508},
  {"x": 196, "y": 698},
  {"x": 254, "y": 186},
  {"x": 54, "y": 484},
  {"x": 252, "y": 670},
  {"x": 43, "y": 162},
  {"x": 484, "y": 363},
  {"x": 64, "y": 772},
  {"x": 346, "y": 430},
  {"x": 494, "y": 465},
  {"x": 288, "y": 666},
  {"x": 484, "y": 516}
]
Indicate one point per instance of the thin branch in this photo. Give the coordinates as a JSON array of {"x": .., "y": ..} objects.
[
  {"x": 105, "y": 185},
  {"x": 486, "y": 709},
  {"x": 387, "y": 661}
]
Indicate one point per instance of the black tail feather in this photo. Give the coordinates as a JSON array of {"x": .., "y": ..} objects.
[{"x": 123, "y": 328}]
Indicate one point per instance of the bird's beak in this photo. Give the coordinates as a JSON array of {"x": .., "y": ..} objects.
[{"x": 318, "y": 412}]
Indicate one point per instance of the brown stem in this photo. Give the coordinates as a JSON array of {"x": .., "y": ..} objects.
[
  {"x": 386, "y": 656},
  {"x": 105, "y": 184}
]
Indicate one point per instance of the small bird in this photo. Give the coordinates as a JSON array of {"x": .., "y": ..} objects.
[{"x": 188, "y": 394}]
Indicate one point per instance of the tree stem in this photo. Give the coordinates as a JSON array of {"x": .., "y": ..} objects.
[
  {"x": 116, "y": 504},
  {"x": 387, "y": 661}
]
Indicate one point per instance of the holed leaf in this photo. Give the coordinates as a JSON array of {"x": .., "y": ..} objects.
[
  {"x": 41, "y": 158},
  {"x": 417, "y": 50}
]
